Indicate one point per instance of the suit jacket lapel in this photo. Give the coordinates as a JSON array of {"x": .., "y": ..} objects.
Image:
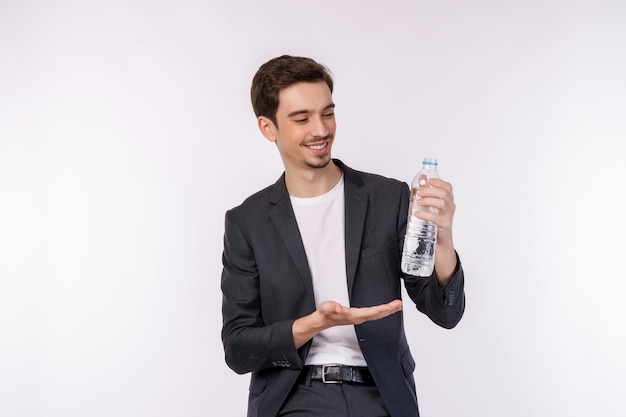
[
  {"x": 356, "y": 209},
  {"x": 285, "y": 221}
]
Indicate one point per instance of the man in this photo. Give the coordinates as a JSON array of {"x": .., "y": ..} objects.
[{"x": 311, "y": 281}]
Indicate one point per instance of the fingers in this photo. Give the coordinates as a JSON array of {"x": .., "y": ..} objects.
[
  {"x": 440, "y": 196},
  {"x": 439, "y": 183},
  {"x": 356, "y": 315},
  {"x": 438, "y": 189},
  {"x": 338, "y": 315}
]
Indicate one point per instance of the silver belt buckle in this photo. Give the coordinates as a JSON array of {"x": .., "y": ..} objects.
[{"x": 324, "y": 371}]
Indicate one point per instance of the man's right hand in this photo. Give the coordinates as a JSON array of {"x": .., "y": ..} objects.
[{"x": 331, "y": 313}]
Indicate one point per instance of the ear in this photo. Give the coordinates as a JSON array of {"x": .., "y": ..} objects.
[{"x": 267, "y": 128}]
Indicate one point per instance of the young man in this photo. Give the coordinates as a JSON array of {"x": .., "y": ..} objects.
[{"x": 311, "y": 281}]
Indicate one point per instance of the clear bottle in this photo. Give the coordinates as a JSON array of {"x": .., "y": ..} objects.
[{"x": 418, "y": 254}]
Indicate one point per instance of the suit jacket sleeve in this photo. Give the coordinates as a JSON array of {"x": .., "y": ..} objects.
[
  {"x": 250, "y": 343},
  {"x": 444, "y": 306}
]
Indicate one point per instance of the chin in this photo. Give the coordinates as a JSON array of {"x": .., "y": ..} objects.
[{"x": 319, "y": 164}]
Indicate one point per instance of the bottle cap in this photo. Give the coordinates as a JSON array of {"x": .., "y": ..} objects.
[{"x": 430, "y": 161}]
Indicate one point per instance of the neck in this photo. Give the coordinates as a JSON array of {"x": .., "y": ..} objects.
[{"x": 312, "y": 182}]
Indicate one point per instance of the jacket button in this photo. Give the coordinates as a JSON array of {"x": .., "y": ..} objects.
[{"x": 451, "y": 297}]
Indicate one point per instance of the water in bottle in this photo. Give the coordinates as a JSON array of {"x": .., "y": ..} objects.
[{"x": 418, "y": 254}]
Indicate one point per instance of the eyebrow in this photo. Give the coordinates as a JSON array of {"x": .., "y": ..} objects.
[{"x": 297, "y": 112}]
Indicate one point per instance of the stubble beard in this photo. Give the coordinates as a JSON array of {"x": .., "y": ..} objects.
[
  {"x": 321, "y": 164},
  {"x": 323, "y": 160}
]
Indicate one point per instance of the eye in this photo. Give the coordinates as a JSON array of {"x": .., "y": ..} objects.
[
  {"x": 303, "y": 120},
  {"x": 331, "y": 114}
]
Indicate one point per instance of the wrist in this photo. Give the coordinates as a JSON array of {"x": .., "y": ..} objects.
[{"x": 305, "y": 328}]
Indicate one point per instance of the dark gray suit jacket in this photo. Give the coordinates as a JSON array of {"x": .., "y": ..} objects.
[{"x": 266, "y": 285}]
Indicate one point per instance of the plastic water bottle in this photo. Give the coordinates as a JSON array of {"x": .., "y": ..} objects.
[{"x": 418, "y": 254}]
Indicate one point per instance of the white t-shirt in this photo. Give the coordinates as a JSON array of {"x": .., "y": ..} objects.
[{"x": 321, "y": 221}]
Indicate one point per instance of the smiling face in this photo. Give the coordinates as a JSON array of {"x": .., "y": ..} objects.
[{"x": 305, "y": 127}]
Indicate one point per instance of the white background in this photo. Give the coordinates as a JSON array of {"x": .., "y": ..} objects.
[{"x": 126, "y": 132}]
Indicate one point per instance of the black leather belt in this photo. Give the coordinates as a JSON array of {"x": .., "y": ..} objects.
[{"x": 337, "y": 374}]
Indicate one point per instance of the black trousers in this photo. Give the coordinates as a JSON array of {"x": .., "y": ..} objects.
[{"x": 317, "y": 399}]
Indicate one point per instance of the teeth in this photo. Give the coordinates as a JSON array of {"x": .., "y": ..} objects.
[{"x": 317, "y": 147}]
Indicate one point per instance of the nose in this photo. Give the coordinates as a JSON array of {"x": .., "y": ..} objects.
[{"x": 319, "y": 128}]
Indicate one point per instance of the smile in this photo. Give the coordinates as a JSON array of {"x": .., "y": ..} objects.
[{"x": 317, "y": 147}]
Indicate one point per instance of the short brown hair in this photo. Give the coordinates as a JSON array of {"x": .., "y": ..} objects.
[{"x": 279, "y": 73}]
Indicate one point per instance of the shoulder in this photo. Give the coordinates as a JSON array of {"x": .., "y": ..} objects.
[
  {"x": 253, "y": 204},
  {"x": 376, "y": 180},
  {"x": 259, "y": 203},
  {"x": 259, "y": 198},
  {"x": 371, "y": 181}
]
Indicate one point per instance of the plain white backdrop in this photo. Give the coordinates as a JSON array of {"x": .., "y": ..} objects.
[{"x": 126, "y": 132}]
